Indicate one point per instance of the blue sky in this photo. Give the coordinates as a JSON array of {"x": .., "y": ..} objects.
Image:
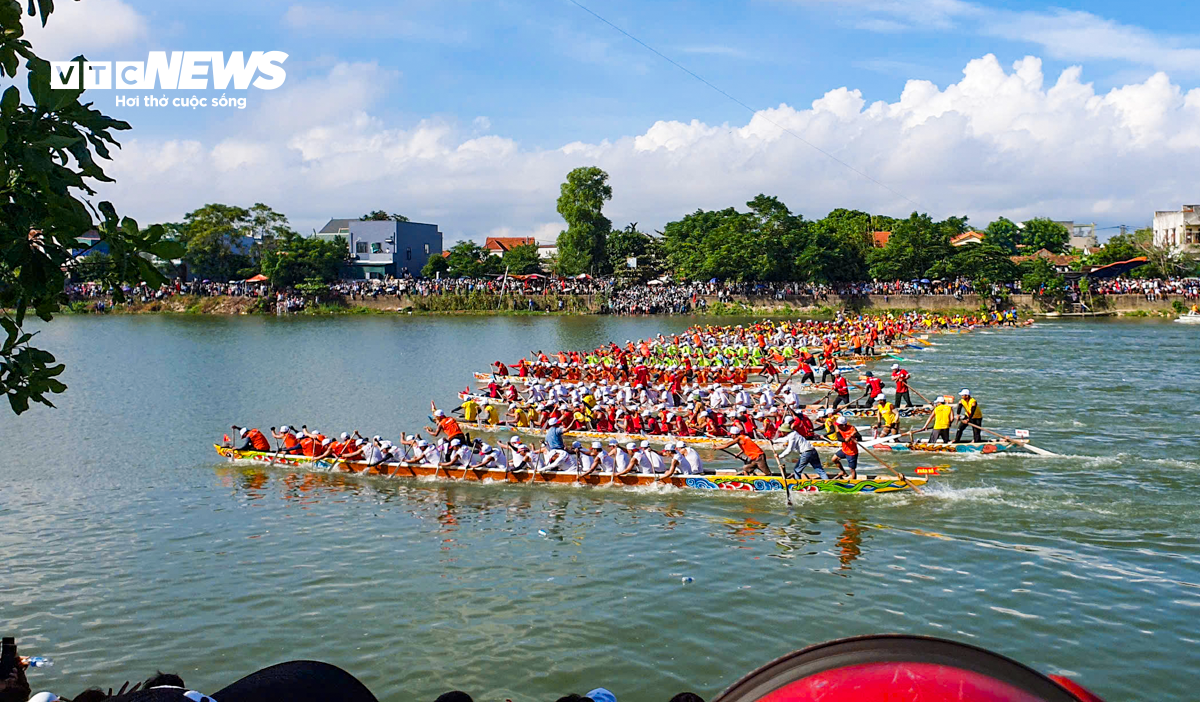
[{"x": 422, "y": 106}]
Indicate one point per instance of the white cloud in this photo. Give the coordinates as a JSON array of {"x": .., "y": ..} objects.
[
  {"x": 997, "y": 142},
  {"x": 85, "y": 28}
]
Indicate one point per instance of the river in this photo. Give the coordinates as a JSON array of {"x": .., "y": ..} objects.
[{"x": 128, "y": 546}]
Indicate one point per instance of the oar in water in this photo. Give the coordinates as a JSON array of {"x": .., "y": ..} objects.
[
  {"x": 894, "y": 471},
  {"x": 1017, "y": 442},
  {"x": 787, "y": 489}
]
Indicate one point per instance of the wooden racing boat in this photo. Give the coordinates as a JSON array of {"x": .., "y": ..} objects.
[
  {"x": 708, "y": 442},
  {"x": 810, "y": 410},
  {"x": 718, "y": 481}
]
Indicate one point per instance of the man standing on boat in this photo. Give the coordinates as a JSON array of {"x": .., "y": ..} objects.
[
  {"x": 446, "y": 426},
  {"x": 806, "y": 453},
  {"x": 889, "y": 418},
  {"x": 849, "y": 437},
  {"x": 750, "y": 454},
  {"x": 941, "y": 417},
  {"x": 901, "y": 377},
  {"x": 840, "y": 388},
  {"x": 969, "y": 414},
  {"x": 554, "y": 435}
]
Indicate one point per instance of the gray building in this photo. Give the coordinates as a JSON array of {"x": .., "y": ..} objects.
[{"x": 387, "y": 248}]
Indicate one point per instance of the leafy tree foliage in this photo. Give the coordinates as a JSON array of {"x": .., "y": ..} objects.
[
  {"x": 521, "y": 260},
  {"x": 629, "y": 243},
  {"x": 1042, "y": 233},
  {"x": 981, "y": 263},
  {"x": 916, "y": 244},
  {"x": 50, "y": 152},
  {"x": 435, "y": 266},
  {"x": 295, "y": 259},
  {"x": 1041, "y": 280},
  {"x": 265, "y": 224},
  {"x": 470, "y": 260},
  {"x": 1003, "y": 233},
  {"x": 217, "y": 241},
  {"x": 381, "y": 216},
  {"x": 583, "y": 245}
]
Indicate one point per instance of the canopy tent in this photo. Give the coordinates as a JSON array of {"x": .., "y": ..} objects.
[{"x": 260, "y": 278}]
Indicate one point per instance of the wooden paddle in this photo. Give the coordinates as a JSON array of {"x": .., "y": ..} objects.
[
  {"x": 897, "y": 473},
  {"x": 787, "y": 489}
]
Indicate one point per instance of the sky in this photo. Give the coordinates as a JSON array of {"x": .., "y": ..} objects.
[{"x": 469, "y": 114}]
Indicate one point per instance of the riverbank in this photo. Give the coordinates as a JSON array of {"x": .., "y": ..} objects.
[{"x": 736, "y": 305}]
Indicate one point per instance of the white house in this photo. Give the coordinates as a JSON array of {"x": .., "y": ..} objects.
[{"x": 1178, "y": 229}]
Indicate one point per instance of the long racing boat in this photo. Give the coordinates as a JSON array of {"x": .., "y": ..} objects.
[{"x": 726, "y": 480}]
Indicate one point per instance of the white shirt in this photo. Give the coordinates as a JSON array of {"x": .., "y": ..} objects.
[
  {"x": 622, "y": 460},
  {"x": 650, "y": 461},
  {"x": 690, "y": 461},
  {"x": 793, "y": 442}
]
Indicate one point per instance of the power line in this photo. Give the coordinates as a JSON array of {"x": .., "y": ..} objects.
[{"x": 752, "y": 111}]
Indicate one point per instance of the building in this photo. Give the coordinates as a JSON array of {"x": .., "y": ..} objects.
[
  {"x": 1083, "y": 236},
  {"x": 499, "y": 245},
  {"x": 1178, "y": 229},
  {"x": 379, "y": 249},
  {"x": 546, "y": 251},
  {"x": 880, "y": 239},
  {"x": 1061, "y": 262},
  {"x": 966, "y": 238}
]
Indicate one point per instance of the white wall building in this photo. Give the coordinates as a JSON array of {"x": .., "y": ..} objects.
[{"x": 1178, "y": 229}]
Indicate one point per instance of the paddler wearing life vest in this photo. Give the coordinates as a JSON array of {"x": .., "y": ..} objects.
[
  {"x": 446, "y": 426},
  {"x": 289, "y": 442},
  {"x": 970, "y": 414},
  {"x": 249, "y": 440},
  {"x": 749, "y": 453}
]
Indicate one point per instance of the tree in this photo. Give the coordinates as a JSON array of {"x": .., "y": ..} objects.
[
  {"x": 217, "y": 246},
  {"x": 1042, "y": 233},
  {"x": 265, "y": 224},
  {"x": 1043, "y": 282},
  {"x": 381, "y": 216},
  {"x": 295, "y": 259},
  {"x": 435, "y": 266},
  {"x": 916, "y": 244},
  {"x": 582, "y": 246},
  {"x": 631, "y": 243},
  {"x": 982, "y": 263},
  {"x": 1003, "y": 233},
  {"x": 470, "y": 260},
  {"x": 522, "y": 260},
  {"x": 50, "y": 152}
]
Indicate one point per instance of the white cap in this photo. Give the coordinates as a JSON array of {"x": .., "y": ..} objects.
[
  {"x": 514, "y": 439},
  {"x": 613, "y": 442},
  {"x": 631, "y": 446},
  {"x": 284, "y": 429},
  {"x": 553, "y": 421},
  {"x": 895, "y": 366},
  {"x": 645, "y": 444},
  {"x": 344, "y": 436},
  {"x": 964, "y": 392},
  {"x": 596, "y": 444},
  {"x": 669, "y": 447},
  {"x": 881, "y": 397},
  {"x": 455, "y": 442},
  {"x": 485, "y": 449},
  {"x": 837, "y": 371},
  {"x": 840, "y": 420},
  {"x": 327, "y": 442},
  {"x": 45, "y": 697},
  {"x": 938, "y": 400},
  {"x": 241, "y": 432},
  {"x": 735, "y": 429},
  {"x": 375, "y": 438},
  {"x": 439, "y": 413}
]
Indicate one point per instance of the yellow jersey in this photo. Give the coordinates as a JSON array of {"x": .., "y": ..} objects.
[
  {"x": 942, "y": 414},
  {"x": 491, "y": 414},
  {"x": 887, "y": 412},
  {"x": 470, "y": 410},
  {"x": 970, "y": 408}
]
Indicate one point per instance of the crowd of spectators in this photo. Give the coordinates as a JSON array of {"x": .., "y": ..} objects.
[{"x": 654, "y": 297}]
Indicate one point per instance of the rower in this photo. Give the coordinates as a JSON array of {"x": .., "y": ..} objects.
[
  {"x": 690, "y": 462},
  {"x": 901, "y": 377},
  {"x": 554, "y": 435},
  {"x": 941, "y": 417},
  {"x": 970, "y": 414},
  {"x": 624, "y": 458},
  {"x": 750, "y": 454},
  {"x": 650, "y": 461},
  {"x": 807, "y": 372},
  {"x": 889, "y": 418},
  {"x": 806, "y": 453},
  {"x": 840, "y": 388},
  {"x": 874, "y": 388},
  {"x": 290, "y": 443},
  {"x": 489, "y": 458},
  {"x": 522, "y": 456},
  {"x": 470, "y": 409},
  {"x": 491, "y": 415},
  {"x": 589, "y": 458},
  {"x": 459, "y": 455},
  {"x": 501, "y": 369},
  {"x": 251, "y": 439},
  {"x": 849, "y": 437}
]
